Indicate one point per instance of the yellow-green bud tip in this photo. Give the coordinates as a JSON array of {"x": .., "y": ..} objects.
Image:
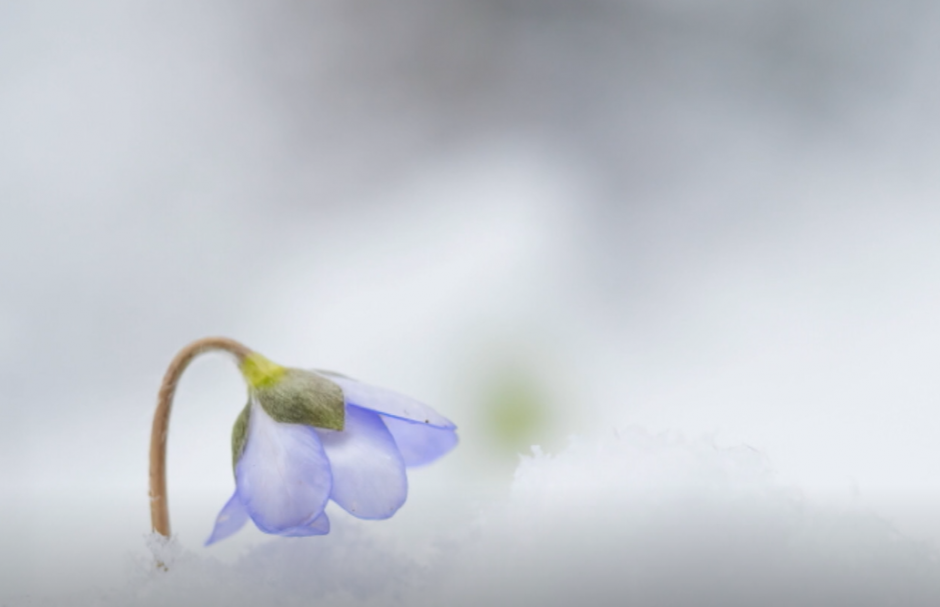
[{"x": 260, "y": 372}]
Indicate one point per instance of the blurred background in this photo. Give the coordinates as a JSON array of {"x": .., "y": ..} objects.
[{"x": 543, "y": 218}]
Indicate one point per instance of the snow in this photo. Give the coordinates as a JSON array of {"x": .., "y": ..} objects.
[{"x": 631, "y": 518}]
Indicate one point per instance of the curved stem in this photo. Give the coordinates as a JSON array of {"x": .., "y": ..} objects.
[{"x": 159, "y": 510}]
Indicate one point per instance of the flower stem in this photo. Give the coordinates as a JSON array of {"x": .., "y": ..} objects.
[{"x": 159, "y": 510}]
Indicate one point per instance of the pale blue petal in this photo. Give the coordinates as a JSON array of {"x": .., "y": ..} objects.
[
  {"x": 232, "y": 518},
  {"x": 368, "y": 472},
  {"x": 319, "y": 526},
  {"x": 420, "y": 443},
  {"x": 387, "y": 402},
  {"x": 283, "y": 476}
]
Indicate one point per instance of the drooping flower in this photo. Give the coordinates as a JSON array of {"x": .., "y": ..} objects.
[{"x": 307, "y": 437}]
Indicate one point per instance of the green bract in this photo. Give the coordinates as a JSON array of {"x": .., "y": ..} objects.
[
  {"x": 239, "y": 433},
  {"x": 302, "y": 397}
]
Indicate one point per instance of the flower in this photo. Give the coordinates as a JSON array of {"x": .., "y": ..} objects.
[{"x": 306, "y": 437}]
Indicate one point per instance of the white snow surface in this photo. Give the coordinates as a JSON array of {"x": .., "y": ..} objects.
[{"x": 630, "y": 519}]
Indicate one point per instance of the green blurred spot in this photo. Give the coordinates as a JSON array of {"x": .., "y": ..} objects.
[{"x": 515, "y": 411}]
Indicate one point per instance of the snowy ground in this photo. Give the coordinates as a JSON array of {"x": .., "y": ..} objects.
[{"x": 632, "y": 519}]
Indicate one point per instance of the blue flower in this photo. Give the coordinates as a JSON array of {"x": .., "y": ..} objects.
[{"x": 307, "y": 437}]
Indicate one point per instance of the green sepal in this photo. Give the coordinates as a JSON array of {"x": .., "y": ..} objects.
[
  {"x": 240, "y": 434},
  {"x": 302, "y": 397}
]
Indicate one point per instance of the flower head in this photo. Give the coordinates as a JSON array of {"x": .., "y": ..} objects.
[{"x": 307, "y": 437}]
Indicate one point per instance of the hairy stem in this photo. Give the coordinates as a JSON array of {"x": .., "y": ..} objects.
[{"x": 159, "y": 510}]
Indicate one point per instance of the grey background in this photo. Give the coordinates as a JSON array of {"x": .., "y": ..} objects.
[{"x": 714, "y": 217}]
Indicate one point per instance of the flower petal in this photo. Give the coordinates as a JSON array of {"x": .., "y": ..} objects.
[
  {"x": 420, "y": 443},
  {"x": 319, "y": 526},
  {"x": 368, "y": 472},
  {"x": 387, "y": 402},
  {"x": 283, "y": 476},
  {"x": 232, "y": 518}
]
